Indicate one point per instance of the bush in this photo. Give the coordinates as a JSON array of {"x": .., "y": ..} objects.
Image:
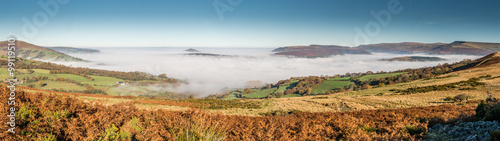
[
  {"x": 481, "y": 110},
  {"x": 493, "y": 114},
  {"x": 449, "y": 98},
  {"x": 460, "y": 97},
  {"x": 414, "y": 130},
  {"x": 488, "y": 111},
  {"x": 495, "y": 135}
]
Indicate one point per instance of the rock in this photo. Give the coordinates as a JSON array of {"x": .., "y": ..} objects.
[
  {"x": 437, "y": 127},
  {"x": 471, "y": 138},
  {"x": 486, "y": 135}
]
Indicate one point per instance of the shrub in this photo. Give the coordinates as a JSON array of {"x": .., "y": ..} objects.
[
  {"x": 449, "y": 98},
  {"x": 495, "y": 135},
  {"x": 414, "y": 130},
  {"x": 460, "y": 97},
  {"x": 321, "y": 97},
  {"x": 493, "y": 114},
  {"x": 369, "y": 129},
  {"x": 481, "y": 110}
]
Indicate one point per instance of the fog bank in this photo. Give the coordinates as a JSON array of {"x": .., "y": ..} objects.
[{"x": 210, "y": 74}]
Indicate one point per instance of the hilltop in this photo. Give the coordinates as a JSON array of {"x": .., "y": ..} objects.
[
  {"x": 192, "y": 50},
  {"x": 457, "y": 47},
  {"x": 313, "y": 51},
  {"x": 31, "y": 51},
  {"x": 414, "y": 59},
  {"x": 73, "y": 50}
]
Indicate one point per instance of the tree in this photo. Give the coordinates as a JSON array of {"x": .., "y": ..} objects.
[
  {"x": 246, "y": 91},
  {"x": 88, "y": 87},
  {"x": 41, "y": 83},
  {"x": 308, "y": 92},
  {"x": 366, "y": 86},
  {"x": 288, "y": 91},
  {"x": 163, "y": 75},
  {"x": 381, "y": 84},
  {"x": 341, "y": 90},
  {"x": 279, "y": 94}
]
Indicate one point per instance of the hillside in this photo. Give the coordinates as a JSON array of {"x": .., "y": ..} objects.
[
  {"x": 414, "y": 59},
  {"x": 457, "y": 47},
  {"x": 54, "y": 77},
  {"x": 30, "y": 51},
  {"x": 313, "y": 51},
  {"x": 73, "y": 50}
]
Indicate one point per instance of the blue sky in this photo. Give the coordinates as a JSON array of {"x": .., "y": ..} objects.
[{"x": 251, "y": 23}]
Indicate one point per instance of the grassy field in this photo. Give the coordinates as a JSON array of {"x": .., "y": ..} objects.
[
  {"x": 339, "y": 79},
  {"x": 287, "y": 86},
  {"x": 260, "y": 93},
  {"x": 330, "y": 85},
  {"x": 103, "y": 80},
  {"x": 231, "y": 96},
  {"x": 73, "y": 77},
  {"x": 378, "y": 76},
  {"x": 290, "y": 95},
  {"x": 57, "y": 85}
]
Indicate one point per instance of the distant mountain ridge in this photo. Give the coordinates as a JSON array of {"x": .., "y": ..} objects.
[
  {"x": 313, "y": 51},
  {"x": 457, "y": 47},
  {"x": 414, "y": 59},
  {"x": 31, "y": 51},
  {"x": 73, "y": 50}
]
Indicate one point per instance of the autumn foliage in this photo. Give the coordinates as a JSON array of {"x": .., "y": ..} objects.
[{"x": 60, "y": 117}]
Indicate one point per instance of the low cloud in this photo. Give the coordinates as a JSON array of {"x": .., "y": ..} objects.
[{"x": 209, "y": 74}]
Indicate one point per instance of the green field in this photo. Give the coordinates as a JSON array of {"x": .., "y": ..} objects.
[
  {"x": 260, "y": 94},
  {"x": 287, "y": 86},
  {"x": 103, "y": 80},
  {"x": 4, "y": 73},
  {"x": 330, "y": 85},
  {"x": 231, "y": 96},
  {"x": 290, "y": 95},
  {"x": 57, "y": 85},
  {"x": 36, "y": 73},
  {"x": 378, "y": 76},
  {"x": 73, "y": 77},
  {"x": 339, "y": 79}
]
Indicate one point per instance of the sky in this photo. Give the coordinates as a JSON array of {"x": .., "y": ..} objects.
[{"x": 247, "y": 23}]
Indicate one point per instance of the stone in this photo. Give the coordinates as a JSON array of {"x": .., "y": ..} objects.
[{"x": 437, "y": 127}]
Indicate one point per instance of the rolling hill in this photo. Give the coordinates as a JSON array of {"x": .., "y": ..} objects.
[
  {"x": 414, "y": 59},
  {"x": 31, "y": 51},
  {"x": 73, "y": 50},
  {"x": 457, "y": 47},
  {"x": 313, "y": 51}
]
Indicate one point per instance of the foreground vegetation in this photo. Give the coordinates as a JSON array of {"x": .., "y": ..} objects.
[{"x": 57, "y": 117}]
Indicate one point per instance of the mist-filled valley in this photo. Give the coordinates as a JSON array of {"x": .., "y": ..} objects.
[{"x": 214, "y": 69}]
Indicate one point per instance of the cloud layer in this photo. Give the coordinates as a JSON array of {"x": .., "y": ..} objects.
[{"x": 209, "y": 74}]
